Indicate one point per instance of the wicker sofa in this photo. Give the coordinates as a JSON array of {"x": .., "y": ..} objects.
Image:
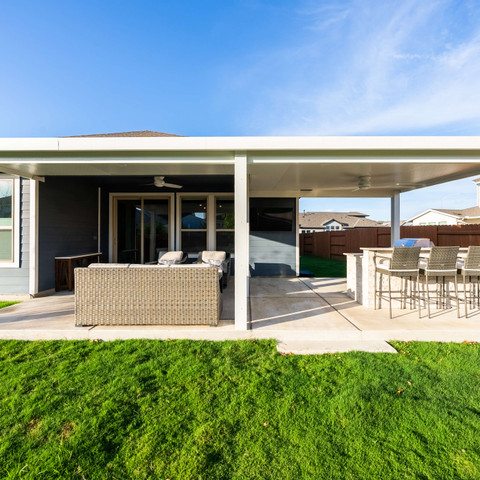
[{"x": 109, "y": 294}]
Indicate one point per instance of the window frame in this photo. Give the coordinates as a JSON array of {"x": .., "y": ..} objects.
[
  {"x": 211, "y": 230},
  {"x": 14, "y": 262},
  {"x": 180, "y": 230},
  {"x": 222, "y": 197}
]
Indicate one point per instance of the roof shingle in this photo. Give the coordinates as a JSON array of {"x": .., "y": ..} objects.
[
  {"x": 349, "y": 219},
  {"x": 140, "y": 133}
]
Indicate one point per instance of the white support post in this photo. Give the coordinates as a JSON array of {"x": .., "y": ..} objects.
[
  {"x": 242, "y": 251},
  {"x": 33, "y": 259},
  {"x": 297, "y": 236},
  {"x": 395, "y": 218}
]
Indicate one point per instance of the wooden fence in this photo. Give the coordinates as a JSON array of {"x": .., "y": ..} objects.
[{"x": 335, "y": 243}]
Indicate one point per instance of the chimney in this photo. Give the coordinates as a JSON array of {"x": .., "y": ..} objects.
[{"x": 477, "y": 183}]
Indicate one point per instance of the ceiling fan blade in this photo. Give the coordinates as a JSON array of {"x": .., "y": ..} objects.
[{"x": 172, "y": 185}]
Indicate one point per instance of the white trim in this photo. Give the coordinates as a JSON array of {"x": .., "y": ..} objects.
[
  {"x": 386, "y": 143},
  {"x": 242, "y": 251},
  {"x": 211, "y": 222},
  {"x": 320, "y": 159},
  {"x": 297, "y": 236},
  {"x": 178, "y": 223},
  {"x": 33, "y": 263},
  {"x": 110, "y": 228},
  {"x": 17, "y": 193},
  {"x": 142, "y": 230},
  {"x": 15, "y": 173},
  {"x": 171, "y": 230},
  {"x": 115, "y": 161}
]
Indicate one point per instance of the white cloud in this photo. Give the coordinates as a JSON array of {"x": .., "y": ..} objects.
[{"x": 365, "y": 68}]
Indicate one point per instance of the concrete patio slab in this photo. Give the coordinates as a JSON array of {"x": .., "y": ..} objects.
[
  {"x": 296, "y": 313},
  {"x": 307, "y": 316},
  {"x": 318, "y": 348},
  {"x": 326, "y": 286},
  {"x": 266, "y": 287}
]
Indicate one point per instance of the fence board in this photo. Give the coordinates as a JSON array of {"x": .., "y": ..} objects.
[{"x": 334, "y": 244}]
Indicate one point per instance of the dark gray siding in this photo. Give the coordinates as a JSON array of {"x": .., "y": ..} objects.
[
  {"x": 190, "y": 183},
  {"x": 274, "y": 253},
  {"x": 67, "y": 223},
  {"x": 15, "y": 280}
]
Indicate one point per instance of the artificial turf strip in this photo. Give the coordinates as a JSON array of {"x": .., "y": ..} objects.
[
  {"x": 323, "y": 267},
  {"x": 237, "y": 410},
  {"x": 7, "y": 304}
]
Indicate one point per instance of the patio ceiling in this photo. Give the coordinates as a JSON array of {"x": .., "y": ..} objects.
[
  {"x": 277, "y": 166},
  {"x": 342, "y": 179}
]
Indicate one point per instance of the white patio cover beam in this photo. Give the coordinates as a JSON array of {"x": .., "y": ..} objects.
[
  {"x": 242, "y": 251},
  {"x": 395, "y": 218}
]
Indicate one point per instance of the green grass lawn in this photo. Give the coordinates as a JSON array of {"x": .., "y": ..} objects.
[
  {"x": 323, "y": 267},
  {"x": 237, "y": 410},
  {"x": 7, "y": 304}
]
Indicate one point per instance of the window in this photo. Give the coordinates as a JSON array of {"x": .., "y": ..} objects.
[
  {"x": 224, "y": 224},
  {"x": 7, "y": 208},
  {"x": 271, "y": 215},
  {"x": 442, "y": 223},
  {"x": 193, "y": 228}
]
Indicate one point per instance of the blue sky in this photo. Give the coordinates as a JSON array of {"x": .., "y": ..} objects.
[{"x": 246, "y": 68}]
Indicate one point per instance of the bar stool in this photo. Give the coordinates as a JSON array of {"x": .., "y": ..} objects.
[
  {"x": 402, "y": 264},
  {"x": 471, "y": 271},
  {"x": 441, "y": 264}
]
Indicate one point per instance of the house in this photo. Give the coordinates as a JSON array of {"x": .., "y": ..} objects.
[
  {"x": 450, "y": 216},
  {"x": 310, "y": 222},
  {"x": 130, "y": 195}
]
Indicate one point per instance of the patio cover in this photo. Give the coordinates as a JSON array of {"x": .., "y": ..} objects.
[
  {"x": 262, "y": 166},
  {"x": 277, "y": 166}
]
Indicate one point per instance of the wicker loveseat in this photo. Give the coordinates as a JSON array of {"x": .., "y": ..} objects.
[{"x": 147, "y": 295}]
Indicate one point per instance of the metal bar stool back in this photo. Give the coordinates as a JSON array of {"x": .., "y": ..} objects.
[
  {"x": 471, "y": 270},
  {"x": 441, "y": 264},
  {"x": 403, "y": 264}
]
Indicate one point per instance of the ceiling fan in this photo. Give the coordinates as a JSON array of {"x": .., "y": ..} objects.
[
  {"x": 159, "y": 181},
  {"x": 365, "y": 183}
]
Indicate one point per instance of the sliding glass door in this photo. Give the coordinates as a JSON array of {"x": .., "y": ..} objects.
[
  {"x": 155, "y": 228},
  {"x": 142, "y": 229}
]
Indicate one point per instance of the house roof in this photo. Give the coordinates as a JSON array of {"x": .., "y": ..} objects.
[
  {"x": 463, "y": 212},
  {"x": 458, "y": 213},
  {"x": 139, "y": 133},
  {"x": 349, "y": 219}
]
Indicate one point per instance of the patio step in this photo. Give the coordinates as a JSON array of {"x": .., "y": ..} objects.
[{"x": 315, "y": 347}]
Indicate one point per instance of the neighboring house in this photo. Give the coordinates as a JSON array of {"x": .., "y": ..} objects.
[
  {"x": 448, "y": 216},
  {"x": 116, "y": 194},
  {"x": 310, "y": 222}
]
